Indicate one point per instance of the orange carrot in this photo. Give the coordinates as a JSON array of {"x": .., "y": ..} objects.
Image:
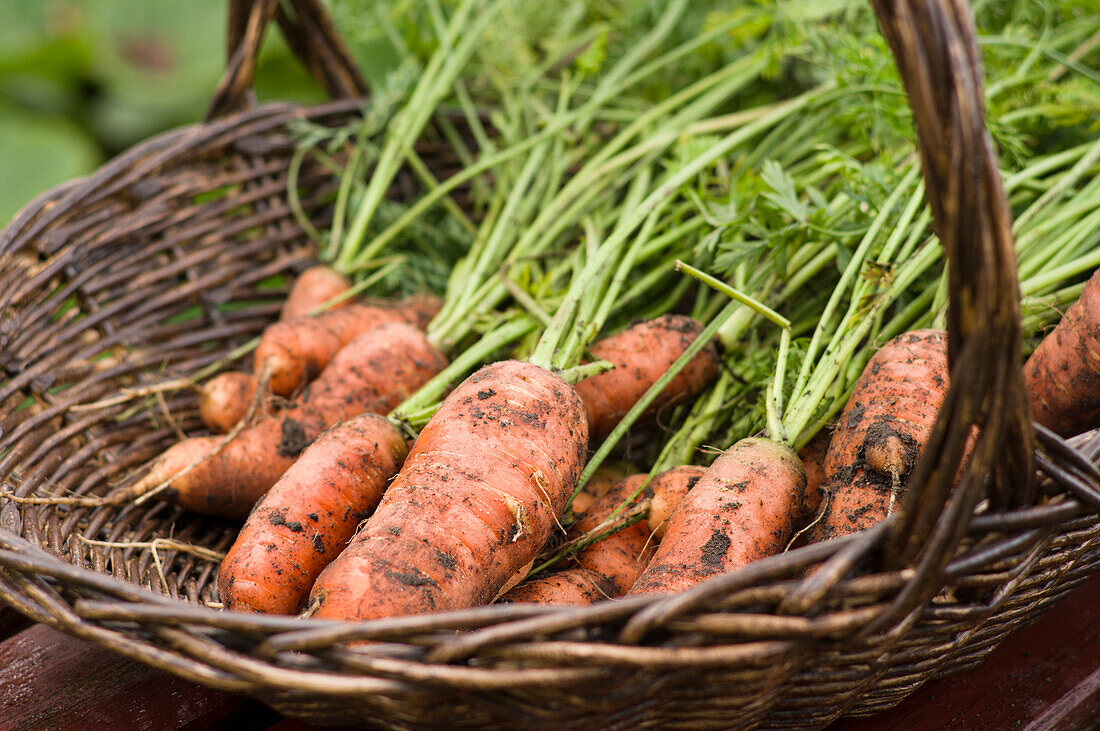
[
  {"x": 603, "y": 479},
  {"x": 309, "y": 516},
  {"x": 372, "y": 374},
  {"x": 478, "y": 496},
  {"x": 313, "y": 288},
  {"x": 1061, "y": 376},
  {"x": 669, "y": 489},
  {"x": 882, "y": 432},
  {"x": 743, "y": 509},
  {"x": 813, "y": 462},
  {"x": 295, "y": 351},
  {"x": 226, "y": 399},
  {"x": 605, "y": 569},
  {"x": 641, "y": 354}
]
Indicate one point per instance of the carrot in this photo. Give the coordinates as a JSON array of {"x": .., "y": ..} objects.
[
  {"x": 225, "y": 482},
  {"x": 606, "y": 568},
  {"x": 641, "y": 354},
  {"x": 742, "y": 509},
  {"x": 294, "y": 351},
  {"x": 602, "y": 480},
  {"x": 309, "y": 516},
  {"x": 313, "y": 288},
  {"x": 882, "y": 431},
  {"x": 669, "y": 489},
  {"x": 373, "y": 373},
  {"x": 478, "y": 496},
  {"x": 1062, "y": 375},
  {"x": 813, "y": 462},
  {"x": 225, "y": 400}
]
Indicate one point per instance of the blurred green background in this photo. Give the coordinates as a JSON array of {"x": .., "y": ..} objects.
[{"x": 82, "y": 80}]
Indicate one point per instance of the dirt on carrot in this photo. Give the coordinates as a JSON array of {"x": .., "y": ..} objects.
[{"x": 813, "y": 463}]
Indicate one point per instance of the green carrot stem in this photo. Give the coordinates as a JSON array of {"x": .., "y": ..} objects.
[
  {"x": 438, "y": 78},
  {"x": 751, "y": 302},
  {"x": 578, "y": 373}
]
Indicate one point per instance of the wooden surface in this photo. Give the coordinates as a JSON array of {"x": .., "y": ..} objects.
[{"x": 1046, "y": 676}]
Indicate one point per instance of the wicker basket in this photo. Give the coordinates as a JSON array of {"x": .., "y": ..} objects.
[{"x": 100, "y": 283}]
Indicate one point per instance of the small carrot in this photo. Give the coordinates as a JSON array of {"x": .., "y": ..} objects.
[
  {"x": 226, "y": 399},
  {"x": 1061, "y": 376},
  {"x": 476, "y": 499},
  {"x": 313, "y": 288},
  {"x": 742, "y": 509},
  {"x": 669, "y": 489},
  {"x": 641, "y": 354},
  {"x": 373, "y": 373},
  {"x": 602, "y": 480},
  {"x": 605, "y": 569},
  {"x": 295, "y": 351},
  {"x": 309, "y": 516},
  {"x": 882, "y": 431}
]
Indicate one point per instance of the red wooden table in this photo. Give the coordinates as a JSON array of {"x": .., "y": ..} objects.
[{"x": 1046, "y": 676}]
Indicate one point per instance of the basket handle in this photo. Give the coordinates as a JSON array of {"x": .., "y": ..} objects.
[
  {"x": 934, "y": 43},
  {"x": 311, "y": 36}
]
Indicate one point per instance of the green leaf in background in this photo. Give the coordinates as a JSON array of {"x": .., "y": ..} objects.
[
  {"x": 81, "y": 80},
  {"x": 39, "y": 153}
]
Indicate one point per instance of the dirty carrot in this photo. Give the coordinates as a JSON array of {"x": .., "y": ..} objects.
[
  {"x": 373, "y": 373},
  {"x": 742, "y": 509},
  {"x": 1062, "y": 374},
  {"x": 309, "y": 516},
  {"x": 478, "y": 496},
  {"x": 882, "y": 431},
  {"x": 296, "y": 351},
  {"x": 641, "y": 354},
  {"x": 227, "y": 396}
]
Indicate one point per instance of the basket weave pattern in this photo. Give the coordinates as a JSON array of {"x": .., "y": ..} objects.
[{"x": 121, "y": 281}]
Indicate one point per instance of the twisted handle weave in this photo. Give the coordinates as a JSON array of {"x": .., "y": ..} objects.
[
  {"x": 934, "y": 43},
  {"x": 311, "y": 36}
]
